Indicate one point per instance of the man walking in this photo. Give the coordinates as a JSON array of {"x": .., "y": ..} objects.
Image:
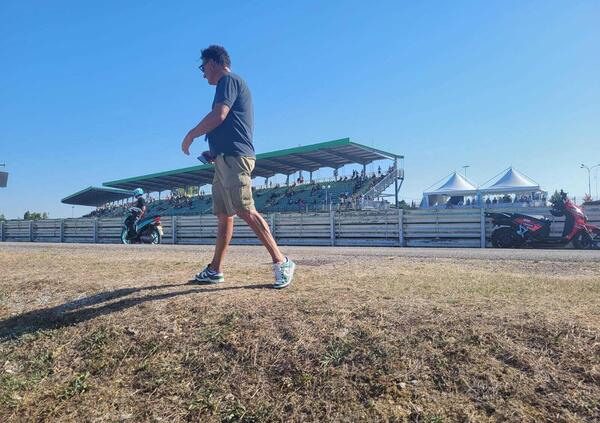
[{"x": 229, "y": 127}]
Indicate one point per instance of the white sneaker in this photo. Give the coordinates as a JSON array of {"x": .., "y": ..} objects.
[
  {"x": 210, "y": 276},
  {"x": 284, "y": 273}
]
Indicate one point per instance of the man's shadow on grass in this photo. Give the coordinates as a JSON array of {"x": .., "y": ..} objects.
[{"x": 76, "y": 312}]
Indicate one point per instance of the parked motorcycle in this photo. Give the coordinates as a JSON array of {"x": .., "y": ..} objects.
[
  {"x": 513, "y": 230},
  {"x": 145, "y": 231}
]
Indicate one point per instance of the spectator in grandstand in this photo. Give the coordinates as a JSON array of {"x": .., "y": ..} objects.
[{"x": 228, "y": 128}]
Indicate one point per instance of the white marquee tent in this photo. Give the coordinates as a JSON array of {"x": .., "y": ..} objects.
[
  {"x": 456, "y": 185},
  {"x": 511, "y": 182}
]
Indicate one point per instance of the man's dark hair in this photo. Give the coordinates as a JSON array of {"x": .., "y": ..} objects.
[{"x": 218, "y": 54}]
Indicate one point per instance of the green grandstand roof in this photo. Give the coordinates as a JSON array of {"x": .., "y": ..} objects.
[
  {"x": 333, "y": 154},
  {"x": 96, "y": 196}
]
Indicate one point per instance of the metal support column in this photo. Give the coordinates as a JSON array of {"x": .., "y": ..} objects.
[
  {"x": 332, "y": 227},
  {"x": 401, "y": 227},
  {"x": 174, "y": 229},
  {"x": 482, "y": 217},
  {"x": 95, "y": 231},
  {"x": 62, "y": 230},
  {"x": 396, "y": 181},
  {"x": 272, "y": 224},
  {"x": 1, "y": 231}
]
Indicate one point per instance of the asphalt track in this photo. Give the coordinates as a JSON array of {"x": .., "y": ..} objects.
[{"x": 540, "y": 255}]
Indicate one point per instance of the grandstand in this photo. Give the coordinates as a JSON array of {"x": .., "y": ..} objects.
[{"x": 350, "y": 192}]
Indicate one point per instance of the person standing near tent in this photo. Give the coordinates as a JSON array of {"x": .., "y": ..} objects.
[{"x": 229, "y": 127}]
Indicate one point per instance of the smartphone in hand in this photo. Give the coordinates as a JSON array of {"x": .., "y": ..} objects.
[{"x": 206, "y": 157}]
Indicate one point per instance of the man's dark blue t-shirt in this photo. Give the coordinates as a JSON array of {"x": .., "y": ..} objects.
[{"x": 233, "y": 137}]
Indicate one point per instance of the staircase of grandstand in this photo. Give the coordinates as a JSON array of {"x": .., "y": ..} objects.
[{"x": 380, "y": 184}]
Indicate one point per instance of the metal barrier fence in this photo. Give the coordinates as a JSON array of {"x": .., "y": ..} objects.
[{"x": 405, "y": 228}]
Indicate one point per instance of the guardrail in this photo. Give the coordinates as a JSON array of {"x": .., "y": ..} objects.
[{"x": 391, "y": 227}]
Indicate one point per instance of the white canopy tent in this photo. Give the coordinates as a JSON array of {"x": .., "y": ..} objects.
[
  {"x": 456, "y": 186},
  {"x": 511, "y": 182}
]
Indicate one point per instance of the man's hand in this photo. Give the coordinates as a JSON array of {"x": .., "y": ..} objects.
[
  {"x": 216, "y": 117},
  {"x": 208, "y": 156},
  {"x": 185, "y": 144}
]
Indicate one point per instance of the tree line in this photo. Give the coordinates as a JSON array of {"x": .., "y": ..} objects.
[{"x": 28, "y": 216}]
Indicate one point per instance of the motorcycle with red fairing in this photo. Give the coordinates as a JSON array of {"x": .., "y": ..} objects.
[{"x": 513, "y": 230}]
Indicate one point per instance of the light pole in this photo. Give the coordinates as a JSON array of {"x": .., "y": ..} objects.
[
  {"x": 465, "y": 168},
  {"x": 596, "y": 178},
  {"x": 589, "y": 170}
]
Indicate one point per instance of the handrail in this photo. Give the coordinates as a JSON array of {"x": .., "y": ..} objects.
[{"x": 386, "y": 181}]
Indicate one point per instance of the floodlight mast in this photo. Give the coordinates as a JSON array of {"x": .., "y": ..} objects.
[
  {"x": 589, "y": 171},
  {"x": 5, "y": 176}
]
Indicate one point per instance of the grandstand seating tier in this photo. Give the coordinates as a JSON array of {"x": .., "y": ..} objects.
[{"x": 309, "y": 196}]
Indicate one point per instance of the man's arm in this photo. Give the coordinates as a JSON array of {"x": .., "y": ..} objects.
[{"x": 210, "y": 122}]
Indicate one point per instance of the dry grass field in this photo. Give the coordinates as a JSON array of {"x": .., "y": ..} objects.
[{"x": 110, "y": 333}]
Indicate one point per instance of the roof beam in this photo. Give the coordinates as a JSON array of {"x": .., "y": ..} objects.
[
  {"x": 182, "y": 179},
  {"x": 348, "y": 158},
  {"x": 262, "y": 173},
  {"x": 319, "y": 161},
  {"x": 294, "y": 166},
  {"x": 266, "y": 166},
  {"x": 203, "y": 173},
  {"x": 386, "y": 155},
  {"x": 172, "y": 181}
]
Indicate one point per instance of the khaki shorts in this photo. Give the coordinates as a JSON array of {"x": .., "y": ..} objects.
[{"x": 232, "y": 185}]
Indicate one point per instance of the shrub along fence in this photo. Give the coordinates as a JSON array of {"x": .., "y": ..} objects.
[{"x": 405, "y": 228}]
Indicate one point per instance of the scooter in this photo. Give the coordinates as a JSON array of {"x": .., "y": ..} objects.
[
  {"x": 513, "y": 230},
  {"x": 146, "y": 231}
]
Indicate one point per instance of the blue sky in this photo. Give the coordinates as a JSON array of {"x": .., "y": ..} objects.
[{"x": 98, "y": 91}]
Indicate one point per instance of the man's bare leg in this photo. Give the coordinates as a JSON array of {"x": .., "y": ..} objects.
[
  {"x": 262, "y": 231},
  {"x": 224, "y": 234}
]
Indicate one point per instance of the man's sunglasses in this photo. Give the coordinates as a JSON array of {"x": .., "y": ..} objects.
[{"x": 201, "y": 67}]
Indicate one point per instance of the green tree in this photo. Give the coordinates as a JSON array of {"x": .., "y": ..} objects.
[
  {"x": 2, "y": 218},
  {"x": 403, "y": 205},
  {"x": 35, "y": 215},
  {"x": 556, "y": 196}
]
